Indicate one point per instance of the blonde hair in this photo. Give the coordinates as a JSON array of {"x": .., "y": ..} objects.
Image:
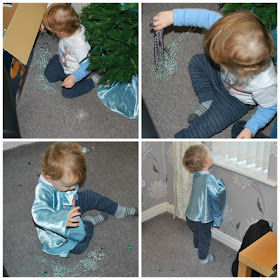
[
  {"x": 240, "y": 43},
  {"x": 194, "y": 158},
  {"x": 61, "y": 17},
  {"x": 64, "y": 158}
]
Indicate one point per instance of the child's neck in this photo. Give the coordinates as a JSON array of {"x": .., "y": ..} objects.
[
  {"x": 65, "y": 35},
  {"x": 77, "y": 32},
  {"x": 205, "y": 169}
]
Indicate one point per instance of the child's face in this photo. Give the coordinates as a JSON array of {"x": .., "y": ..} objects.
[
  {"x": 66, "y": 183},
  {"x": 209, "y": 160}
]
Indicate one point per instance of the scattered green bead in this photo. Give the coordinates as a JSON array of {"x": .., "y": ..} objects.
[
  {"x": 159, "y": 270},
  {"x": 29, "y": 163},
  {"x": 128, "y": 246},
  {"x": 84, "y": 150},
  {"x": 172, "y": 269},
  {"x": 20, "y": 185}
]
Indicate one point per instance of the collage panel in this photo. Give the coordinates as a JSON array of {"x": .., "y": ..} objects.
[
  {"x": 70, "y": 209},
  {"x": 209, "y": 70},
  {"x": 206, "y": 205},
  {"x": 73, "y": 78},
  {"x": 70, "y": 85}
]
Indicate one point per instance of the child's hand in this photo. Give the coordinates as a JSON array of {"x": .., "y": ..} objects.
[
  {"x": 69, "y": 81},
  {"x": 71, "y": 222},
  {"x": 245, "y": 133},
  {"x": 42, "y": 27},
  {"x": 163, "y": 19}
]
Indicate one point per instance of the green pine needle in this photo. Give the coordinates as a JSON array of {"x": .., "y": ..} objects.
[
  {"x": 267, "y": 12},
  {"x": 112, "y": 32}
]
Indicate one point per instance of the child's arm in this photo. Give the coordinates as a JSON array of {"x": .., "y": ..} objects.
[
  {"x": 217, "y": 193},
  {"x": 163, "y": 19},
  {"x": 216, "y": 196},
  {"x": 46, "y": 216},
  {"x": 186, "y": 17},
  {"x": 76, "y": 76},
  {"x": 42, "y": 28},
  {"x": 259, "y": 120}
]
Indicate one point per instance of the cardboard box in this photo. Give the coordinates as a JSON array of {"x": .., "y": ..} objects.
[{"x": 22, "y": 22}]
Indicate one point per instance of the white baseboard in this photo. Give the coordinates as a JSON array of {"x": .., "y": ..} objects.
[
  {"x": 157, "y": 210},
  {"x": 227, "y": 240},
  {"x": 216, "y": 233}
]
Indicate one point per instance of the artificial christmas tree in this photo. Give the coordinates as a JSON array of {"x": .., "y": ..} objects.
[
  {"x": 266, "y": 12},
  {"x": 112, "y": 32}
]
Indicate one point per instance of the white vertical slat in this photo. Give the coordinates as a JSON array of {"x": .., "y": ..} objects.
[
  {"x": 232, "y": 150},
  {"x": 252, "y": 153},
  {"x": 242, "y": 152},
  {"x": 266, "y": 156},
  {"x": 259, "y": 158}
]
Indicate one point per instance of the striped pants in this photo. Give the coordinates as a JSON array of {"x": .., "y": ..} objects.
[
  {"x": 90, "y": 200},
  {"x": 225, "y": 109},
  {"x": 54, "y": 73}
]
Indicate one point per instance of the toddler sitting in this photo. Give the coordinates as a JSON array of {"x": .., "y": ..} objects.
[
  {"x": 58, "y": 205},
  {"x": 71, "y": 62}
]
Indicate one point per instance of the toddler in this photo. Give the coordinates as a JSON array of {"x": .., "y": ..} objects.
[
  {"x": 234, "y": 75},
  {"x": 58, "y": 205},
  {"x": 207, "y": 200},
  {"x": 70, "y": 65}
]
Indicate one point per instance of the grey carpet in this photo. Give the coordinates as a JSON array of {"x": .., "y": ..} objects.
[
  {"x": 112, "y": 171},
  {"x": 171, "y": 105},
  {"x": 45, "y": 113},
  {"x": 167, "y": 251}
]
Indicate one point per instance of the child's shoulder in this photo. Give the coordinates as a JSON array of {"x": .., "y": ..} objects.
[
  {"x": 265, "y": 78},
  {"x": 202, "y": 174},
  {"x": 44, "y": 186},
  {"x": 207, "y": 176}
]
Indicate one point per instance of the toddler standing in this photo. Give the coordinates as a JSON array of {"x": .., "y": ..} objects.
[
  {"x": 207, "y": 200},
  {"x": 70, "y": 65},
  {"x": 234, "y": 75},
  {"x": 58, "y": 205}
]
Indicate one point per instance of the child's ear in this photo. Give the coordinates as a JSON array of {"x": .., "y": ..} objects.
[
  {"x": 48, "y": 178},
  {"x": 63, "y": 34},
  {"x": 206, "y": 160}
]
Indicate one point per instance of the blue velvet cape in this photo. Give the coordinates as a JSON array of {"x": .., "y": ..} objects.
[
  {"x": 50, "y": 212},
  {"x": 208, "y": 199}
]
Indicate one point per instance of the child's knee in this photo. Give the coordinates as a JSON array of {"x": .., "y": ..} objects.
[
  {"x": 52, "y": 71},
  {"x": 67, "y": 93},
  {"x": 194, "y": 61},
  {"x": 49, "y": 76}
]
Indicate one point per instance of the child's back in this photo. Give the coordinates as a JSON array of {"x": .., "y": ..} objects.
[{"x": 207, "y": 201}]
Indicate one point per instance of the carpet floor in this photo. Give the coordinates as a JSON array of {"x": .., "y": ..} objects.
[
  {"x": 167, "y": 251},
  {"x": 171, "y": 99},
  {"x": 112, "y": 170},
  {"x": 43, "y": 112}
]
